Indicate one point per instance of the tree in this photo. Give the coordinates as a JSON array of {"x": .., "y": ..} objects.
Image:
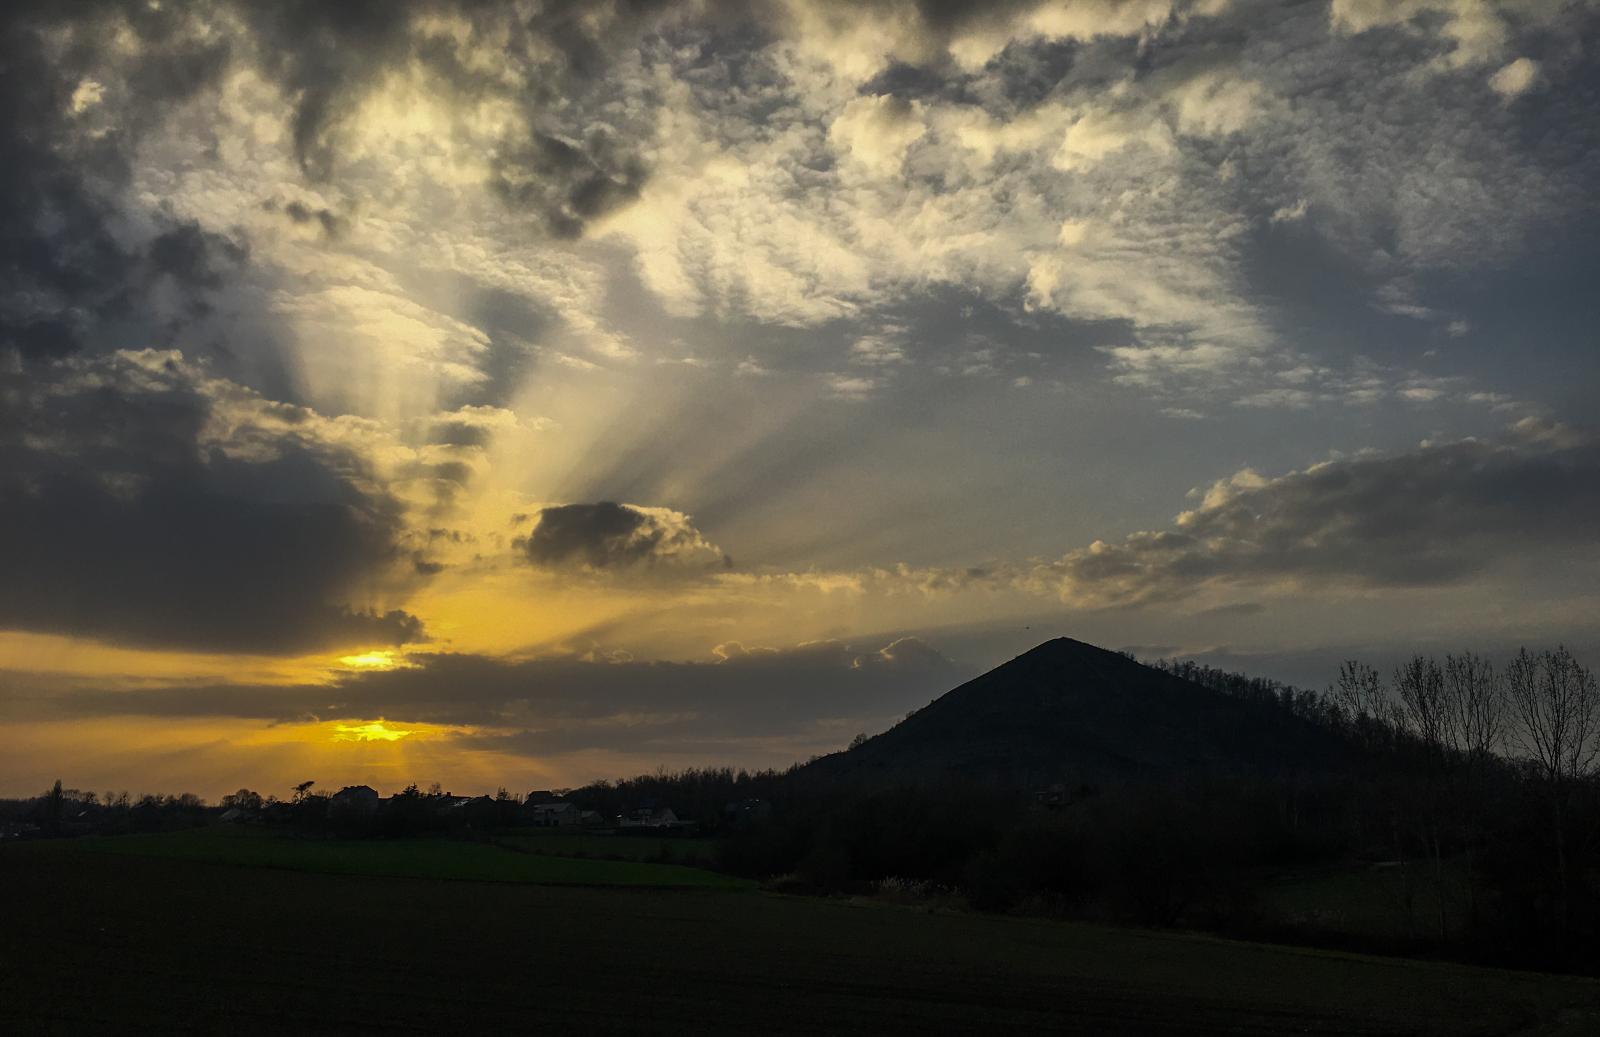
[
  {"x": 54, "y": 802},
  {"x": 1360, "y": 691},
  {"x": 1420, "y": 684},
  {"x": 1475, "y": 714},
  {"x": 302, "y": 790},
  {"x": 1360, "y": 696},
  {"x": 1475, "y": 705},
  {"x": 1557, "y": 707},
  {"x": 1424, "y": 708},
  {"x": 244, "y": 799},
  {"x": 1556, "y": 703}
]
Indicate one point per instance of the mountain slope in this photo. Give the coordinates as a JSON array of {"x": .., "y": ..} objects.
[{"x": 1071, "y": 712}]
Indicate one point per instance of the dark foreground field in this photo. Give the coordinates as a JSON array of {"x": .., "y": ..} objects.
[{"x": 96, "y": 942}]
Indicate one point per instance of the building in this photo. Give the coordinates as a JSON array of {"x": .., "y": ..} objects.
[
  {"x": 655, "y": 818},
  {"x": 554, "y": 815},
  {"x": 355, "y": 799}
]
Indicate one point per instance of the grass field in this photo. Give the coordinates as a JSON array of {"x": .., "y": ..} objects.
[
  {"x": 401, "y": 858},
  {"x": 1386, "y": 903},
  {"x": 674, "y": 849},
  {"x": 98, "y": 942}
]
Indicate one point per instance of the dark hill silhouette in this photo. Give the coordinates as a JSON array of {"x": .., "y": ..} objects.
[{"x": 1071, "y": 712}]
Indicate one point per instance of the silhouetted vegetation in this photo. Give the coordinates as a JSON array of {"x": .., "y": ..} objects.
[
  {"x": 1462, "y": 802},
  {"x": 1451, "y": 807}
]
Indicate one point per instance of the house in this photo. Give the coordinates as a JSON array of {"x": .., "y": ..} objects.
[
  {"x": 654, "y": 818},
  {"x": 554, "y": 815},
  {"x": 355, "y": 799}
]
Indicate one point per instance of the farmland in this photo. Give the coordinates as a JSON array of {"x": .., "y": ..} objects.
[
  {"x": 118, "y": 939},
  {"x": 656, "y": 848},
  {"x": 421, "y": 858}
]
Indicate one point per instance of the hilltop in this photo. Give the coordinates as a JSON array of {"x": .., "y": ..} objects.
[{"x": 1071, "y": 712}]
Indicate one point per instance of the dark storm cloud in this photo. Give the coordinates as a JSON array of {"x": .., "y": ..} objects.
[
  {"x": 610, "y": 536},
  {"x": 568, "y": 704},
  {"x": 126, "y": 518},
  {"x": 1430, "y": 517},
  {"x": 66, "y": 265}
]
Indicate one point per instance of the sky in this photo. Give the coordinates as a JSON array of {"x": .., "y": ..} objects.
[{"x": 529, "y": 393}]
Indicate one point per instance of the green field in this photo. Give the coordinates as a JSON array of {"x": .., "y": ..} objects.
[
  {"x": 101, "y": 942},
  {"x": 399, "y": 858},
  {"x": 673, "y": 849}
]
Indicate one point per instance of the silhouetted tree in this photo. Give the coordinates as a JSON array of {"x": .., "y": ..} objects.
[
  {"x": 244, "y": 799},
  {"x": 1475, "y": 705},
  {"x": 1557, "y": 705},
  {"x": 55, "y": 801}
]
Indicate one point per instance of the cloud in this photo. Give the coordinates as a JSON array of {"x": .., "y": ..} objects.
[
  {"x": 85, "y": 90},
  {"x": 1515, "y": 78},
  {"x": 1434, "y": 516},
  {"x": 816, "y": 694},
  {"x": 859, "y": 39},
  {"x": 525, "y": 77},
  {"x": 1289, "y": 213},
  {"x": 148, "y": 504},
  {"x": 1473, "y": 29},
  {"x": 610, "y": 537},
  {"x": 876, "y": 131}
]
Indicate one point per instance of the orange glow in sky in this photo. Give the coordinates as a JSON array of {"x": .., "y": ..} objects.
[{"x": 374, "y": 731}]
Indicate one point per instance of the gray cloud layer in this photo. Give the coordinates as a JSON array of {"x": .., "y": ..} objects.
[
  {"x": 1429, "y": 517},
  {"x": 569, "y": 704},
  {"x": 141, "y": 506}
]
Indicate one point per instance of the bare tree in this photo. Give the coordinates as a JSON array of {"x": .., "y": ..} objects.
[
  {"x": 1557, "y": 707},
  {"x": 1475, "y": 715},
  {"x": 1475, "y": 705},
  {"x": 1420, "y": 683},
  {"x": 1361, "y": 697},
  {"x": 1423, "y": 708},
  {"x": 1360, "y": 691}
]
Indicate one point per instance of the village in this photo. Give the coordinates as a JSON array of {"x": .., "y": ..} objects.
[
  {"x": 357, "y": 810},
  {"x": 541, "y": 808}
]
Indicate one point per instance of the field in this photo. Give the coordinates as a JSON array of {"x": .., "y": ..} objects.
[
  {"x": 156, "y": 941},
  {"x": 1395, "y": 903},
  {"x": 656, "y": 848},
  {"x": 395, "y": 858}
]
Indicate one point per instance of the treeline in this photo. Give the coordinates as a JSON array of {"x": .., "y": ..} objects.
[
  {"x": 408, "y": 813},
  {"x": 711, "y": 797},
  {"x": 69, "y": 811}
]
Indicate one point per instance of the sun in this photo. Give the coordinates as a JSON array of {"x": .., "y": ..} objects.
[
  {"x": 373, "y": 731},
  {"x": 382, "y": 660}
]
